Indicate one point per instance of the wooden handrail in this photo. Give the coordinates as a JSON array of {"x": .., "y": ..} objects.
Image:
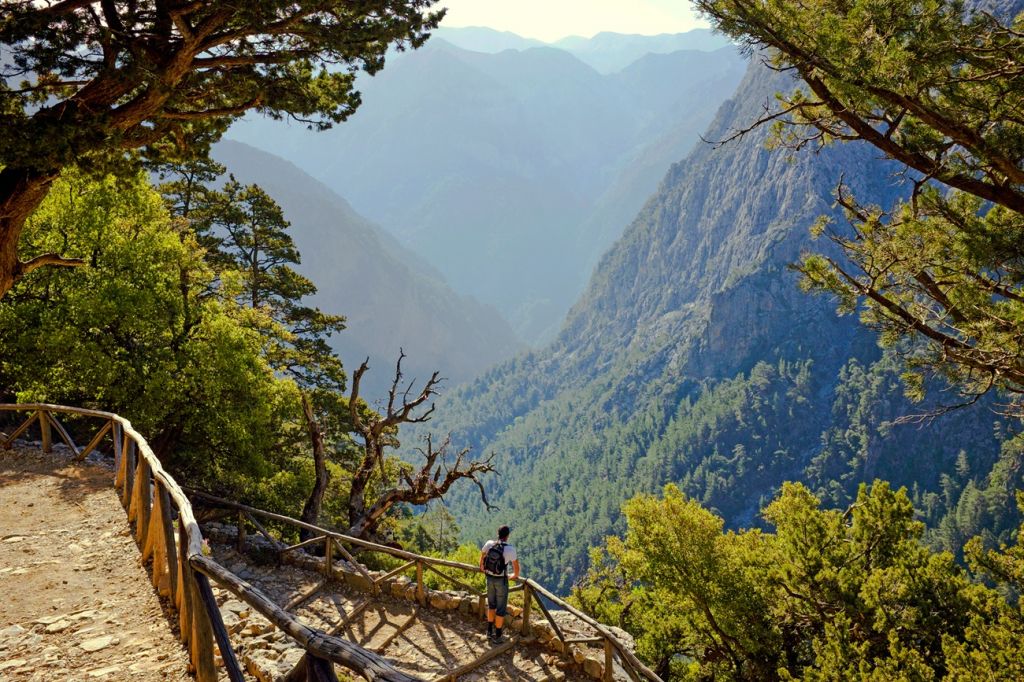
[
  {"x": 627, "y": 656},
  {"x": 149, "y": 493},
  {"x": 322, "y": 644}
]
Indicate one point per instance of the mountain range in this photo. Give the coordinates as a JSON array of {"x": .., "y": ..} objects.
[
  {"x": 390, "y": 297},
  {"x": 606, "y": 52},
  {"x": 693, "y": 358},
  {"x": 512, "y": 170}
]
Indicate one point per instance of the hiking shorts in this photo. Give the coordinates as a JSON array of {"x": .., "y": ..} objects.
[{"x": 497, "y": 594}]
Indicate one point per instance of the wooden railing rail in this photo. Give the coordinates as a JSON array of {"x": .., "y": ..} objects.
[
  {"x": 534, "y": 593},
  {"x": 179, "y": 569}
]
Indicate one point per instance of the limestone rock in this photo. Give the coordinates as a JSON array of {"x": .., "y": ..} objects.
[
  {"x": 593, "y": 667},
  {"x": 97, "y": 643},
  {"x": 57, "y": 626}
]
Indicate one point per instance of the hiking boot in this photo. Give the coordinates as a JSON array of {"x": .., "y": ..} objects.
[{"x": 497, "y": 638}]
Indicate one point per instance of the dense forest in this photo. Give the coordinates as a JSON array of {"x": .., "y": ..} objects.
[{"x": 778, "y": 437}]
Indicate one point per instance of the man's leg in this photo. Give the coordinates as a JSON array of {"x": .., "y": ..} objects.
[
  {"x": 501, "y": 594},
  {"x": 492, "y": 606}
]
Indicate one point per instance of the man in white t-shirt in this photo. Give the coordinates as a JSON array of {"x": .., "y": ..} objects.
[{"x": 495, "y": 558}]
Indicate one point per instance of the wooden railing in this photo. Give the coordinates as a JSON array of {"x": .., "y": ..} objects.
[
  {"x": 168, "y": 534},
  {"x": 182, "y": 572},
  {"x": 533, "y": 592}
]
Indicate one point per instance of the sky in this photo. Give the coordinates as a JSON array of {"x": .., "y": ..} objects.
[{"x": 549, "y": 20}]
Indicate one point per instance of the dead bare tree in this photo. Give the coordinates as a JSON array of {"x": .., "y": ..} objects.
[
  {"x": 311, "y": 510},
  {"x": 379, "y": 431}
]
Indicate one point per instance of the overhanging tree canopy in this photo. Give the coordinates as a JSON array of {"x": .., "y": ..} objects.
[
  {"x": 87, "y": 82},
  {"x": 937, "y": 85}
]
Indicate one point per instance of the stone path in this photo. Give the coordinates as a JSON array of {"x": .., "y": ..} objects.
[{"x": 74, "y": 602}]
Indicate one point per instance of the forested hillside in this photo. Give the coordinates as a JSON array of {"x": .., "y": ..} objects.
[
  {"x": 694, "y": 358},
  {"x": 390, "y": 297},
  {"x": 510, "y": 172}
]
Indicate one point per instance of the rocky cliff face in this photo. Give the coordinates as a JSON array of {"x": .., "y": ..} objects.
[{"x": 694, "y": 358}]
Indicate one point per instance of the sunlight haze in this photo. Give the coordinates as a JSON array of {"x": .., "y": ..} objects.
[{"x": 550, "y": 21}]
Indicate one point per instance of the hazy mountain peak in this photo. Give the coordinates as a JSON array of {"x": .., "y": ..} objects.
[
  {"x": 610, "y": 52},
  {"x": 483, "y": 39}
]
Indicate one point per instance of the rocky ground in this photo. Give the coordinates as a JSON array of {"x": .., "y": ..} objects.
[{"x": 74, "y": 602}]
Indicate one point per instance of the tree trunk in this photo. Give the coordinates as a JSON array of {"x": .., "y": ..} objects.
[
  {"x": 311, "y": 510},
  {"x": 360, "y": 480},
  {"x": 21, "y": 191},
  {"x": 365, "y": 525}
]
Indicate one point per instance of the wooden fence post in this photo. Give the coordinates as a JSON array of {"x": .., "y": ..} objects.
[
  {"x": 328, "y": 556},
  {"x": 184, "y": 588},
  {"x": 421, "y": 596},
  {"x": 319, "y": 670},
  {"x": 44, "y": 431},
  {"x": 154, "y": 546},
  {"x": 220, "y": 633},
  {"x": 129, "y": 473},
  {"x": 527, "y": 605},
  {"x": 609, "y": 661},
  {"x": 143, "y": 503},
  {"x": 202, "y": 633},
  {"x": 167, "y": 527},
  {"x": 119, "y": 458}
]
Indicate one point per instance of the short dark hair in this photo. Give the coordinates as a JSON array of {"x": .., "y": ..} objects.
[{"x": 503, "y": 532}]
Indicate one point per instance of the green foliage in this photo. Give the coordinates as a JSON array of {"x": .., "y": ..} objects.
[
  {"x": 434, "y": 531},
  {"x": 728, "y": 444},
  {"x": 935, "y": 85},
  {"x": 993, "y": 645},
  {"x": 133, "y": 332},
  {"x": 99, "y": 80},
  {"x": 247, "y": 243},
  {"x": 160, "y": 328},
  {"x": 829, "y": 595}
]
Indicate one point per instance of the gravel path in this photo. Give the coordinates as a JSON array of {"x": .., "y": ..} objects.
[{"x": 74, "y": 602}]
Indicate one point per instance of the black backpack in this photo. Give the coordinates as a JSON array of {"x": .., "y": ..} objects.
[{"x": 494, "y": 561}]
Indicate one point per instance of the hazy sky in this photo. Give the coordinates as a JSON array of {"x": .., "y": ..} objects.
[{"x": 550, "y": 20}]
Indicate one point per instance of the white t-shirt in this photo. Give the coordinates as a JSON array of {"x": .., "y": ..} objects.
[{"x": 509, "y": 553}]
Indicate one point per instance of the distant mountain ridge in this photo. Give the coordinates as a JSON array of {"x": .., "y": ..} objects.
[
  {"x": 390, "y": 297},
  {"x": 606, "y": 52},
  {"x": 610, "y": 52},
  {"x": 510, "y": 172}
]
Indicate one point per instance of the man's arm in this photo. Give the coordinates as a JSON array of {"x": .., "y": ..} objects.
[
  {"x": 515, "y": 569},
  {"x": 482, "y": 555}
]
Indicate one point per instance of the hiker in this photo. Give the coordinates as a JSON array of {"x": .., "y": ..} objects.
[{"x": 495, "y": 557}]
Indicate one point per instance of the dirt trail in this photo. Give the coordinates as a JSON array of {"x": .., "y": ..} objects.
[{"x": 74, "y": 602}]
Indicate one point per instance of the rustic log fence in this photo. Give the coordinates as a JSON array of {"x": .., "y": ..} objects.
[{"x": 170, "y": 539}]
